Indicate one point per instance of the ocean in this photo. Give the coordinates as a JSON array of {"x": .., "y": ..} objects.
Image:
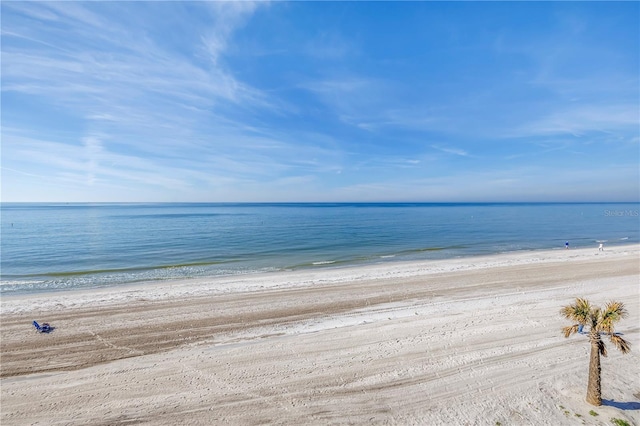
[{"x": 57, "y": 247}]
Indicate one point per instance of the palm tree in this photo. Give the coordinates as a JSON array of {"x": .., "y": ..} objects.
[{"x": 599, "y": 321}]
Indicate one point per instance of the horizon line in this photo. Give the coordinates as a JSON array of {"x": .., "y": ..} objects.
[{"x": 320, "y": 202}]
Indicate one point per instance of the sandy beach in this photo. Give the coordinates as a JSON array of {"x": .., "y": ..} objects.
[{"x": 472, "y": 341}]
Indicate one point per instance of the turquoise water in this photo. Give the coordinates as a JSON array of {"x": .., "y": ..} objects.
[{"x": 52, "y": 247}]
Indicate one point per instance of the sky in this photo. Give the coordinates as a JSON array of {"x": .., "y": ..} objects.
[{"x": 320, "y": 101}]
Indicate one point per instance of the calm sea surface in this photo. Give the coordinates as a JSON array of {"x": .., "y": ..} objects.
[{"x": 52, "y": 247}]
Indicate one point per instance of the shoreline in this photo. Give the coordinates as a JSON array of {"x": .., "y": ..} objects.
[
  {"x": 203, "y": 286},
  {"x": 440, "y": 342},
  {"x": 36, "y": 284}
]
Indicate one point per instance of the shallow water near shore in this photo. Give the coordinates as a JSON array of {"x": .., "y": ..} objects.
[{"x": 52, "y": 247}]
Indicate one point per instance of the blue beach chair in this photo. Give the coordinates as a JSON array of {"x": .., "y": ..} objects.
[{"x": 44, "y": 328}]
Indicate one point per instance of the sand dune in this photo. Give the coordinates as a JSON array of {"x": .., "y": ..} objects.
[{"x": 460, "y": 341}]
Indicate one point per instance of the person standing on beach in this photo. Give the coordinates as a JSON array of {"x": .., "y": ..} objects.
[
  {"x": 566, "y": 245},
  {"x": 601, "y": 247}
]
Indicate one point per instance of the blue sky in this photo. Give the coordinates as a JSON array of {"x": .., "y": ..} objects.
[{"x": 320, "y": 101}]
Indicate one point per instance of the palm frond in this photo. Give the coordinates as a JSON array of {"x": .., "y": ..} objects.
[
  {"x": 568, "y": 331},
  {"x": 620, "y": 344},
  {"x": 613, "y": 312},
  {"x": 617, "y": 307},
  {"x": 602, "y": 348},
  {"x": 580, "y": 311}
]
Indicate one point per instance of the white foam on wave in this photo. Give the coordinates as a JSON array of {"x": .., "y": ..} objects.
[
  {"x": 324, "y": 262},
  {"x": 17, "y": 282}
]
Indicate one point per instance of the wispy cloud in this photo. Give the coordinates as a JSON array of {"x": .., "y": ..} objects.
[
  {"x": 227, "y": 17},
  {"x": 580, "y": 120},
  {"x": 136, "y": 68},
  {"x": 225, "y": 100},
  {"x": 138, "y": 98},
  {"x": 451, "y": 150},
  {"x": 93, "y": 147},
  {"x": 354, "y": 100}
]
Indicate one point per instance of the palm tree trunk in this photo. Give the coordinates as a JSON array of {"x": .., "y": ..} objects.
[{"x": 594, "y": 394}]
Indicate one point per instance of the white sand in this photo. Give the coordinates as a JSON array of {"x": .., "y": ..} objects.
[{"x": 460, "y": 341}]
